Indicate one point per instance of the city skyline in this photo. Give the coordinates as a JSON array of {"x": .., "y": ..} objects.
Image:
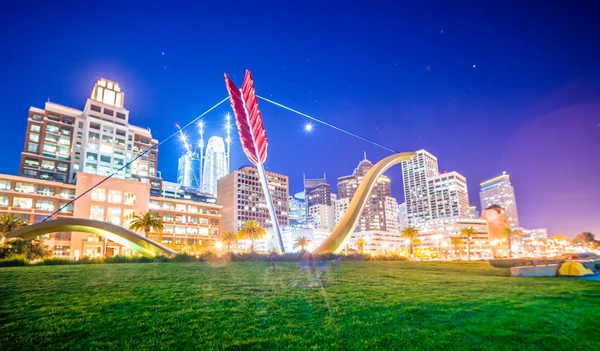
[{"x": 480, "y": 111}]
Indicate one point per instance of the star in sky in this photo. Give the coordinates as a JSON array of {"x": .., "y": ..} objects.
[{"x": 308, "y": 127}]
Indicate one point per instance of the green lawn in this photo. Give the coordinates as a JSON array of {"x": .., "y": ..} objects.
[{"x": 241, "y": 306}]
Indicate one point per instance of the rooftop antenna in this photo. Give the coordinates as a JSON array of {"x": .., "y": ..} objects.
[
  {"x": 201, "y": 146},
  {"x": 228, "y": 138}
]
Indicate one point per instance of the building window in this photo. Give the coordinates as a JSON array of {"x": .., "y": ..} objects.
[
  {"x": 22, "y": 202},
  {"x": 114, "y": 215},
  {"x": 180, "y": 218},
  {"x": 203, "y": 220},
  {"x": 179, "y": 230},
  {"x": 44, "y": 205},
  {"x": 130, "y": 199},
  {"x": 97, "y": 212},
  {"x": 98, "y": 194},
  {"x": 45, "y": 190},
  {"x": 153, "y": 204},
  {"x": 53, "y": 138},
  {"x": 107, "y": 139},
  {"x": 120, "y": 115},
  {"x": 49, "y": 148},
  {"x": 93, "y": 136},
  {"x": 48, "y": 164},
  {"x": 92, "y": 156},
  {"x": 31, "y": 147},
  {"x": 64, "y": 141},
  {"x": 105, "y": 158},
  {"x": 103, "y": 169},
  {"x": 67, "y": 209},
  {"x": 115, "y": 196},
  {"x": 34, "y": 137},
  {"x": 4, "y": 184},
  {"x": 192, "y": 220},
  {"x": 36, "y": 117},
  {"x": 93, "y": 146},
  {"x": 167, "y": 217},
  {"x": 95, "y": 125},
  {"x": 214, "y": 221},
  {"x": 107, "y": 129},
  {"x": 54, "y": 118},
  {"x": 109, "y": 112},
  {"x": 30, "y": 173},
  {"x": 118, "y": 161},
  {"x": 63, "y": 167},
  {"x": 193, "y": 209},
  {"x": 67, "y": 193},
  {"x": 180, "y": 207},
  {"x": 32, "y": 162},
  {"x": 214, "y": 212},
  {"x": 22, "y": 187},
  {"x": 168, "y": 205},
  {"x": 3, "y": 200},
  {"x": 95, "y": 108},
  {"x": 51, "y": 128}
]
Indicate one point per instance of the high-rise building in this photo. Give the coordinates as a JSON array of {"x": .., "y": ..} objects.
[
  {"x": 298, "y": 210},
  {"x": 437, "y": 233},
  {"x": 340, "y": 207},
  {"x": 62, "y": 141},
  {"x": 402, "y": 215},
  {"x": 473, "y": 212},
  {"x": 499, "y": 191},
  {"x": 373, "y": 216},
  {"x": 391, "y": 214},
  {"x": 317, "y": 191},
  {"x": 241, "y": 194},
  {"x": 215, "y": 164},
  {"x": 415, "y": 174},
  {"x": 448, "y": 195},
  {"x": 188, "y": 171},
  {"x": 532, "y": 234},
  {"x": 321, "y": 216}
]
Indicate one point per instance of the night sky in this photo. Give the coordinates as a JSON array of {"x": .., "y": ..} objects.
[{"x": 485, "y": 87}]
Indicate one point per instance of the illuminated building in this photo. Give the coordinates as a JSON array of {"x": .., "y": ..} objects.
[
  {"x": 321, "y": 216},
  {"x": 499, "y": 191},
  {"x": 438, "y": 232},
  {"x": 314, "y": 235},
  {"x": 377, "y": 242},
  {"x": 317, "y": 191},
  {"x": 473, "y": 212},
  {"x": 188, "y": 171},
  {"x": 448, "y": 195},
  {"x": 215, "y": 165},
  {"x": 415, "y": 174},
  {"x": 373, "y": 216},
  {"x": 298, "y": 210},
  {"x": 402, "y": 216},
  {"x": 391, "y": 214},
  {"x": 241, "y": 195},
  {"x": 340, "y": 207},
  {"x": 532, "y": 234},
  {"x": 62, "y": 141},
  {"x": 115, "y": 201}
]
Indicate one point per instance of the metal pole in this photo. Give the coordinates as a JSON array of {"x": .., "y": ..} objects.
[{"x": 265, "y": 185}]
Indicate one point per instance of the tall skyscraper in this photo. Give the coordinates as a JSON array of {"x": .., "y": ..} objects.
[
  {"x": 298, "y": 210},
  {"x": 415, "y": 174},
  {"x": 374, "y": 214},
  {"x": 448, "y": 195},
  {"x": 499, "y": 191},
  {"x": 62, "y": 141},
  {"x": 317, "y": 191},
  {"x": 188, "y": 172},
  {"x": 215, "y": 165},
  {"x": 241, "y": 195},
  {"x": 402, "y": 216}
]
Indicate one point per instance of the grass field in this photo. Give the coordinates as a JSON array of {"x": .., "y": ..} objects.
[{"x": 241, "y": 306}]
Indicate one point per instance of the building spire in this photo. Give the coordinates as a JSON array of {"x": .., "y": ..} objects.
[{"x": 365, "y": 155}]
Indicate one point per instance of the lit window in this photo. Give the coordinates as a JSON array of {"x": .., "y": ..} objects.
[
  {"x": 130, "y": 199},
  {"x": 21, "y": 202},
  {"x": 3, "y": 200},
  {"x": 44, "y": 205},
  {"x": 31, "y": 147},
  {"x": 114, "y": 215},
  {"x": 154, "y": 205},
  {"x": 115, "y": 196},
  {"x": 98, "y": 194},
  {"x": 67, "y": 193},
  {"x": 97, "y": 212},
  {"x": 23, "y": 187},
  {"x": 48, "y": 164},
  {"x": 34, "y": 137},
  {"x": 4, "y": 184},
  {"x": 180, "y": 218},
  {"x": 45, "y": 190},
  {"x": 168, "y": 217},
  {"x": 168, "y": 205},
  {"x": 180, "y": 207}
]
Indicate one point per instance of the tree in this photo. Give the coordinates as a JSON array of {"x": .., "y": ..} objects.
[
  {"x": 469, "y": 233},
  {"x": 410, "y": 233},
  {"x": 228, "y": 238},
  {"x": 301, "y": 243},
  {"x": 252, "y": 231},
  {"x": 360, "y": 243},
  {"x": 147, "y": 222},
  {"x": 456, "y": 242},
  {"x": 10, "y": 222},
  {"x": 583, "y": 239},
  {"x": 509, "y": 234},
  {"x": 32, "y": 249}
]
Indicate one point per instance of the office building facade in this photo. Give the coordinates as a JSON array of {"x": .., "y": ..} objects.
[
  {"x": 188, "y": 171},
  {"x": 499, "y": 191},
  {"x": 215, "y": 165},
  {"x": 448, "y": 195},
  {"x": 241, "y": 195},
  {"x": 415, "y": 175}
]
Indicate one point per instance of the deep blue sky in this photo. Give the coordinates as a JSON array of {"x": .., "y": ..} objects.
[{"x": 485, "y": 87}]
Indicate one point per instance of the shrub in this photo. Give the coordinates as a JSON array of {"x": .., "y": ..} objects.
[
  {"x": 14, "y": 260},
  {"x": 55, "y": 262}
]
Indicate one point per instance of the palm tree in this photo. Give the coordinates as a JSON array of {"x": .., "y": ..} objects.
[
  {"x": 456, "y": 242},
  {"x": 228, "y": 238},
  {"x": 468, "y": 232},
  {"x": 410, "y": 233},
  {"x": 509, "y": 234},
  {"x": 10, "y": 222},
  {"x": 147, "y": 222},
  {"x": 360, "y": 243},
  {"x": 301, "y": 243},
  {"x": 252, "y": 231}
]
